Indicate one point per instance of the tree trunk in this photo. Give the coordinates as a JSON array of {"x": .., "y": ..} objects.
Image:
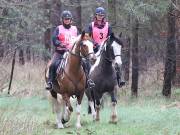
[
  {"x": 1, "y": 50},
  {"x": 28, "y": 53},
  {"x": 112, "y": 11},
  {"x": 127, "y": 59},
  {"x": 12, "y": 71},
  {"x": 170, "y": 53},
  {"x": 21, "y": 57},
  {"x": 177, "y": 79},
  {"x": 127, "y": 52},
  {"x": 135, "y": 63}
]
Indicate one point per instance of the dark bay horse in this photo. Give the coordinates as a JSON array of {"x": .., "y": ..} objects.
[
  {"x": 104, "y": 75},
  {"x": 71, "y": 81}
]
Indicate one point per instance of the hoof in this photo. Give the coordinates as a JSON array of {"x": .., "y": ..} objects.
[
  {"x": 78, "y": 126},
  {"x": 60, "y": 126},
  {"x": 94, "y": 117},
  {"x": 97, "y": 119},
  {"x": 113, "y": 119},
  {"x": 113, "y": 122}
]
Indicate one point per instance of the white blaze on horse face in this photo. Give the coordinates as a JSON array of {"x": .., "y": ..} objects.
[
  {"x": 117, "y": 52},
  {"x": 90, "y": 45}
]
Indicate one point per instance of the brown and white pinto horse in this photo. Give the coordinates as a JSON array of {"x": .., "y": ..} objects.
[{"x": 71, "y": 81}]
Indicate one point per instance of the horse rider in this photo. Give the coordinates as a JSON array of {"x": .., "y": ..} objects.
[
  {"x": 99, "y": 29},
  {"x": 62, "y": 39}
]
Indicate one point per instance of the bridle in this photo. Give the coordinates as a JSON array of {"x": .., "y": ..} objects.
[
  {"x": 107, "y": 58},
  {"x": 79, "y": 54}
]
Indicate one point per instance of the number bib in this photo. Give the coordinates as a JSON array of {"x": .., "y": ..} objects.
[
  {"x": 99, "y": 35},
  {"x": 67, "y": 36}
]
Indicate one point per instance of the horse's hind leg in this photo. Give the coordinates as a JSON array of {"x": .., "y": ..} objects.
[
  {"x": 53, "y": 100},
  {"x": 113, "y": 118}
]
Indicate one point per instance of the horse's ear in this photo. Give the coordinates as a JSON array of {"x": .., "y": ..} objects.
[
  {"x": 82, "y": 34},
  {"x": 111, "y": 35},
  {"x": 120, "y": 35}
]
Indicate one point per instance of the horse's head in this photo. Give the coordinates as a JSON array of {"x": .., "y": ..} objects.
[
  {"x": 112, "y": 47},
  {"x": 86, "y": 47}
]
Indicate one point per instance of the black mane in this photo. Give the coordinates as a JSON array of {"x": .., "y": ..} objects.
[{"x": 112, "y": 38}]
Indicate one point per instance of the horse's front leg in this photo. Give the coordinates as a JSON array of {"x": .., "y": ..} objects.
[
  {"x": 113, "y": 118},
  {"x": 57, "y": 104},
  {"x": 91, "y": 105},
  {"x": 91, "y": 108},
  {"x": 97, "y": 100},
  {"x": 78, "y": 110}
]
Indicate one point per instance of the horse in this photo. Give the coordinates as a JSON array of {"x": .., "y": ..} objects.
[
  {"x": 104, "y": 76},
  {"x": 71, "y": 81}
]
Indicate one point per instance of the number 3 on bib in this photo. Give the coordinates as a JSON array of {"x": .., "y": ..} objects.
[{"x": 101, "y": 35}]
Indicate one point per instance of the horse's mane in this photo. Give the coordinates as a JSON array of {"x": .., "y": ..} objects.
[
  {"x": 75, "y": 41},
  {"x": 112, "y": 38}
]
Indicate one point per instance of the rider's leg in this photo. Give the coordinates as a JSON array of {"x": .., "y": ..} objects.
[
  {"x": 87, "y": 66},
  {"x": 52, "y": 70},
  {"x": 52, "y": 74}
]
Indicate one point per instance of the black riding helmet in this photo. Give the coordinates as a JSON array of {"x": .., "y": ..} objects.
[{"x": 66, "y": 14}]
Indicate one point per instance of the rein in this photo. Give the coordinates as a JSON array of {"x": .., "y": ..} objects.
[{"x": 111, "y": 60}]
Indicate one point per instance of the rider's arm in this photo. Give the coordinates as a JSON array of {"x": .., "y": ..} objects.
[
  {"x": 109, "y": 31},
  {"x": 55, "y": 38}
]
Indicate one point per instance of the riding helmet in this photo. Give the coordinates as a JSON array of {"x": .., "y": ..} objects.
[
  {"x": 100, "y": 11},
  {"x": 66, "y": 14}
]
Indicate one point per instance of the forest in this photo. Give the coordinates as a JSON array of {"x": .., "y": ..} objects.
[{"x": 149, "y": 103}]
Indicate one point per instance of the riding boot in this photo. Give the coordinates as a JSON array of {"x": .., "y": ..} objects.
[
  {"x": 86, "y": 66},
  {"x": 120, "y": 79},
  {"x": 50, "y": 79}
]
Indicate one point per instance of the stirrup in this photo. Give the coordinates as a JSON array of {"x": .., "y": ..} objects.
[{"x": 90, "y": 83}]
